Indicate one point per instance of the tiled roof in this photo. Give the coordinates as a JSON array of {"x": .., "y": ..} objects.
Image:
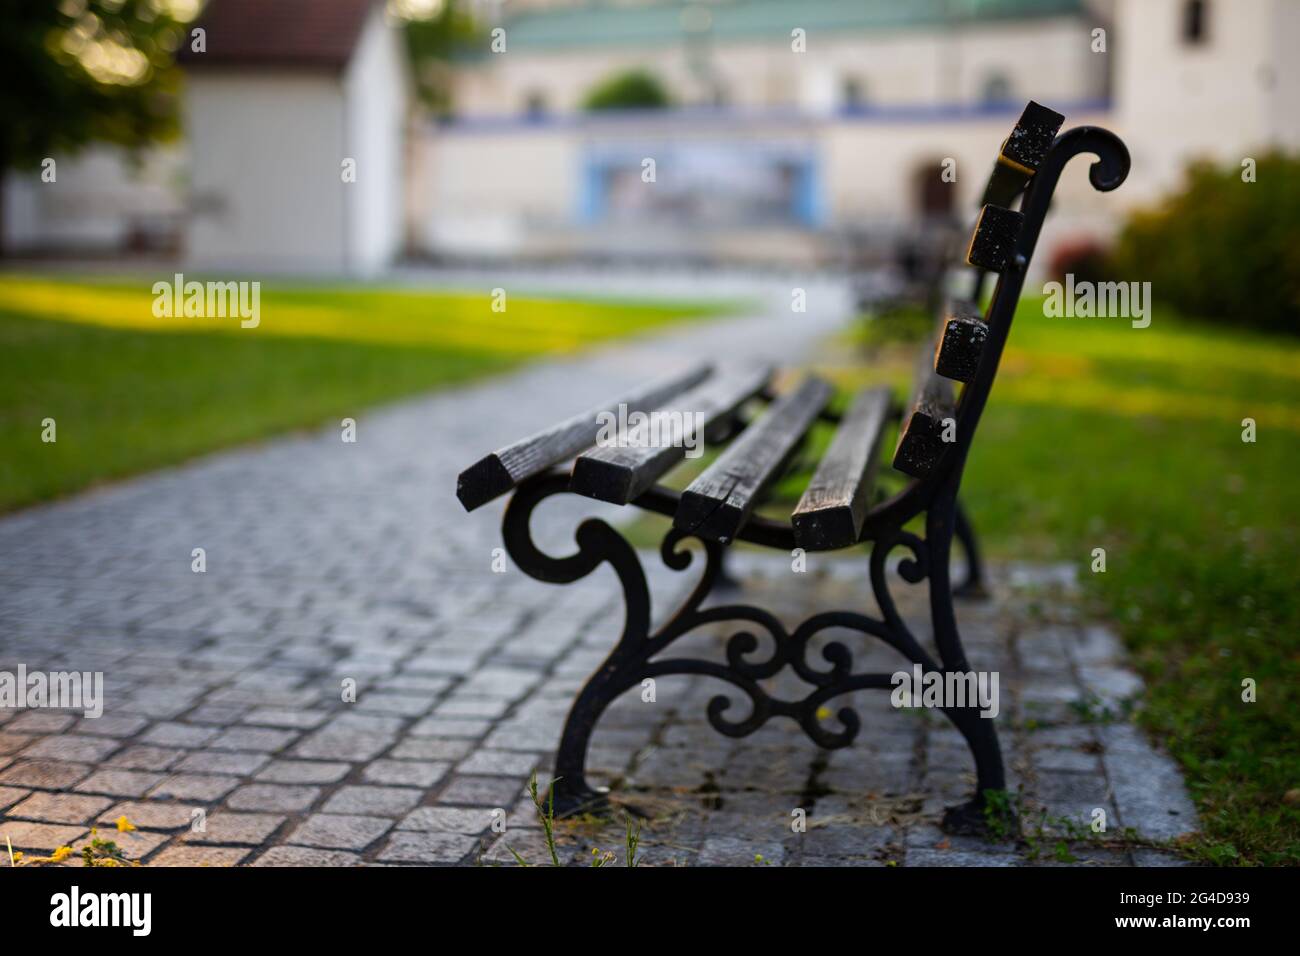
[
  {"x": 317, "y": 34},
  {"x": 596, "y": 23}
]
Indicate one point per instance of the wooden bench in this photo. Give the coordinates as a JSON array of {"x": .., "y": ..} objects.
[{"x": 837, "y": 510}]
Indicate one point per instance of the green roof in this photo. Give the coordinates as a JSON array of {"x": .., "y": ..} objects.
[{"x": 668, "y": 22}]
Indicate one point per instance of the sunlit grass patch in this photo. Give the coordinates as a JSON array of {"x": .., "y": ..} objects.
[{"x": 128, "y": 391}]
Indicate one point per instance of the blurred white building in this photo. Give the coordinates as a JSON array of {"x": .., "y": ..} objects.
[
  {"x": 796, "y": 124},
  {"x": 798, "y": 129},
  {"x": 295, "y": 115},
  {"x": 285, "y": 97}
]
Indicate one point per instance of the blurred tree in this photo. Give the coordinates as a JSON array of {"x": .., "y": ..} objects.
[
  {"x": 76, "y": 71},
  {"x": 1225, "y": 246},
  {"x": 436, "y": 31},
  {"x": 630, "y": 90},
  {"x": 83, "y": 70}
]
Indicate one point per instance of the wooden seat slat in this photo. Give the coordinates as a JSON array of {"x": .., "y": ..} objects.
[
  {"x": 620, "y": 474},
  {"x": 717, "y": 504},
  {"x": 499, "y": 472},
  {"x": 833, "y": 507}
]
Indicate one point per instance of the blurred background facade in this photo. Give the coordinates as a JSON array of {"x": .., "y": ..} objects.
[{"x": 807, "y": 134}]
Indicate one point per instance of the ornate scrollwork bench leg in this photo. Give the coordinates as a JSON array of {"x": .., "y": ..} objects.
[{"x": 638, "y": 653}]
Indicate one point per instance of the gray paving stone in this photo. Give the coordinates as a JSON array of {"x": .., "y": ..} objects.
[
  {"x": 188, "y": 855},
  {"x": 134, "y": 844},
  {"x": 427, "y": 847},
  {"x": 408, "y": 772},
  {"x": 267, "y": 796},
  {"x": 58, "y": 808},
  {"x": 933, "y": 857},
  {"x": 197, "y": 787},
  {"x": 509, "y": 763},
  {"x": 243, "y": 829},
  {"x": 280, "y": 717},
  {"x": 11, "y": 795},
  {"x": 1149, "y": 793},
  {"x": 118, "y": 725},
  {"x": 428, "y": 748},
  {"x": 38, "y": 836},
  {"x": 150, "y": 815},
  {"x": 340, "y": 831},
  {"x": 481, "y": 707},
  {"x": 373, "y": 801},
  {"x": 448, "y": 820},
  {"x": 72, "y": 748},
  {"x": 735, "y": 851},
  {"x": 306, "y": 856},
  {"x": 15, "y": 743},
  {"x": 43, "y": 774},
  {"x": 146, "y": 757},
  {"x": 120, "y": 783},
  {"x": 449, "y": 727},
  {"x": 178, "y": 735},
  {"x": 1073, "y": 761},
  {"x": 529, "y": 844},
  {"x": 408, "y": 705},
  {"x": 40, "y": 722},
  {"x": 1145, "y": 857},
  {"x": 257, "y": 739},
  {"x": 481, "y": 791},
  {"x": 325, "y": 744},
  {"x": 223, "y": 762},
  {"x": 303, "y": 771}
]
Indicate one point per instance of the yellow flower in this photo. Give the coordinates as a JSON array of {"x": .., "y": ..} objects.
[
  {"x": 823, "y": 713},
  {"x": 61, "y": 854},
  {"x": 124, "y": 825}
]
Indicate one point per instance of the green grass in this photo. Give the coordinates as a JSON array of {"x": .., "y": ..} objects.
[
  {"x": 130, "y": 392},
  {"x": 1098, "y": 435}
]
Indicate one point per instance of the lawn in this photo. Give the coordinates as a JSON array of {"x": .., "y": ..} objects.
[
  {"x": 129, "y": 391},
  {"x": 1099, "y": 435}
]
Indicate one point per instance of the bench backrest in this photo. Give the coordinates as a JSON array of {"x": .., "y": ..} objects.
[{"x": 937, "y": 426}]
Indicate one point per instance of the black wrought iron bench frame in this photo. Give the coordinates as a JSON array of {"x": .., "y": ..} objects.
[{"x": 968, "y": 349}]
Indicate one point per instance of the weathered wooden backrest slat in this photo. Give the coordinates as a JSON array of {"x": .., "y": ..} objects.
[
  {"x": 993, "y": 241},
  {"x": 961, "y": 341},
  {"x": 921, "y": 435},
  {"x": 1021, "y": 154}
]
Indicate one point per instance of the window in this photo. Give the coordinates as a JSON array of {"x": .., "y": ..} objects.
[
  {"x": 535, "y": 104},
  {"x": 997, "y": 89},
  {"x": 1194, "y": 16},
  {"x": 853, "y": 95}
]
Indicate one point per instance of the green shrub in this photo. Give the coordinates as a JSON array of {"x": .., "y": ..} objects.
[
  {"x": 630, "y": 90},
  {"x": 1221, "y": 247}
]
